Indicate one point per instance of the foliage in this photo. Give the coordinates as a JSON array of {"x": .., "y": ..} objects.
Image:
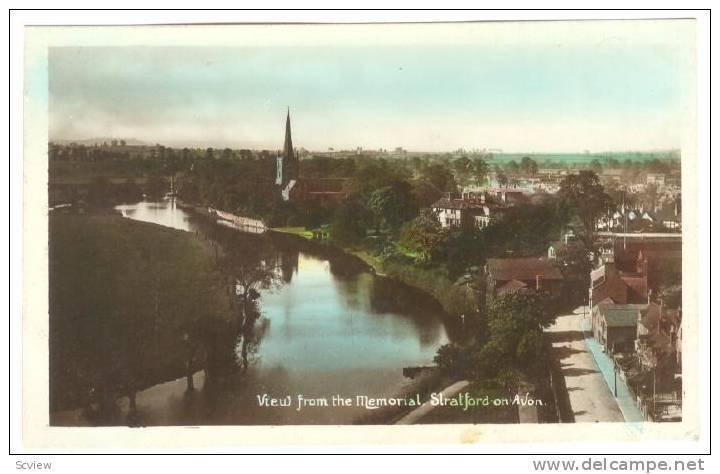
[
  {"x": 575, "y": 265},
  {"x": 501, "y": 177},
  {"x": 514, "y": 340},
  {"x": 525, "y": 230},
  {"x": 349, "y": 222},
  {"x": 528, "y": 166},
  {"x": 391, "y": 205},
  {"x": 424, "y": 236},
  {"x": 120, "y": 304},
  {"x": 481, "y": 170},
  {"x": 587, "y": 197},
  {"x": 440, "y": 177}
]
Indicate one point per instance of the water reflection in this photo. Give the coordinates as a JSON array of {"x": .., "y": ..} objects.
[{"x": 323, "y": 328}]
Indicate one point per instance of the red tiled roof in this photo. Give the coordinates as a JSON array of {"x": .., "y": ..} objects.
[{"x": 637, "y": 284}]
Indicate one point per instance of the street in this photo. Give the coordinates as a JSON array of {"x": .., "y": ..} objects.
[{"x": 590, "y": 397}]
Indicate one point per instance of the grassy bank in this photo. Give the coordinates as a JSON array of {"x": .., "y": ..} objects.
[
  {"x": 455, "y": 299},
  {"x": 122, "y": 304}
]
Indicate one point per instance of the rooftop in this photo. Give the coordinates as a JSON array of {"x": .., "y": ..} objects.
[{"x": 620, "y": 315}]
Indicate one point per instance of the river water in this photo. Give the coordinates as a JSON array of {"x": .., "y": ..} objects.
[{"x": 327, "y": 332}]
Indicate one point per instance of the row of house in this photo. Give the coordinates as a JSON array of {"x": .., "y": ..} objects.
[
  {"x": 475, "y": 208},
  {"x": 627, "y": 218},
  {"x": 635, "y": 326}
]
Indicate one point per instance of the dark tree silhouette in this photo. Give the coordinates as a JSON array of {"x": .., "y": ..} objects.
[{"x": 584, "y": 193}]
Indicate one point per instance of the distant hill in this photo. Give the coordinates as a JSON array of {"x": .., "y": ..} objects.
[{"x": 101, "y": 140}]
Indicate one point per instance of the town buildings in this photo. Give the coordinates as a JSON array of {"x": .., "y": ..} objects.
[
  {"x": 510, "y": 275},
  {"x": 615, "y": 325},
  {"x": 469, "y": 210},
  {"x": 610, "y": 285},
  {"x": 637, "y": 321}
]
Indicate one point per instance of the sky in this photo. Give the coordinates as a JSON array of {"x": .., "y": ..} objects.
[{"x": 561, "y": 96}]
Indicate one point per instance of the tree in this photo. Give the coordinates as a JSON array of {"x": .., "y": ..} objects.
[
  {"x": 440, "y": 177},
  {"x": 348, "y": 224},
  {"x": 512, "y": 167},
  {"x": 248, "y": 268},
  {"x": 512, "y": 342},
  {"x": 226, "y": 154},
  {"x": 584, "y": 193},
  {"x": 462, "y": 167},
  {"x": 501, "y": 177},
  {"x": 391, "y": 205},
  {"x": 525, "y": 230},
  {"x": 375, "y": 174},
  {"x": 575, "y": 265},
  {"x": 423, "y": 235},
  {"x": 528, "y": 166},
  {"x": 596, "y": 166},
  {"x": 515, "y": 325},
  {"x": 481, "y": 170},
  {"x": 425, "y": 193}
]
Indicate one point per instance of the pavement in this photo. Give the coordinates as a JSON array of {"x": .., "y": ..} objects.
[
  {"x": 590, "y": 395},
  {"x": 621, "y": 392}
]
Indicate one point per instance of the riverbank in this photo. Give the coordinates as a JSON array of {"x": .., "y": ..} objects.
[
  {"x": 121, "y": 302},
  {"x": 457, "y": 300},
  {"x": 121, "y": 342},
  {"x": 419, "y": 283}
]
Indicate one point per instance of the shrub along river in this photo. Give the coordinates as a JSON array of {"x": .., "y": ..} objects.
[{"x": 328, "y": 328}]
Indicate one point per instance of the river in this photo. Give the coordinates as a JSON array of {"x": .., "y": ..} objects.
[{"x": 327, "y": 332}]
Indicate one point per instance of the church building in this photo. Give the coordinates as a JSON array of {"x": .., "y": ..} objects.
[
  {"x": 293, "y": 187},
  {"x": 287, "y": 165}
]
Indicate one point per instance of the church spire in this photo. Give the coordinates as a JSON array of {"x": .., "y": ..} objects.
[{"x": 288, "y": 148}]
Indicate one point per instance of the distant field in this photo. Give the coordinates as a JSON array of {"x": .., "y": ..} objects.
[{"x": 588, "y": 157}]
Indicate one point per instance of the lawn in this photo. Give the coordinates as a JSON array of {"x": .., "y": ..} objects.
[{"x": 299, "y": 231}]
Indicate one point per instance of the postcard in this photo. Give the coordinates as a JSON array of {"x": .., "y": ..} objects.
[{"x": 360, "y": 233}]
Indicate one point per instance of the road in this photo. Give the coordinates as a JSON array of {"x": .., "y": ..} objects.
[{"x": 590, "y": 397}]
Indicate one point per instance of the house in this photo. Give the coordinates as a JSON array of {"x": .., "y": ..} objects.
[
  {"x": 657, "y": 179},
  {"x": 506, "y": 195},
  {"x": 669, "y": 213},
  {"x": 627, "y": 250},
  {"x": 612, "y": 174},
  {"x": 657, "y": 337},
  {"x": 609, "y": 283},
  {"x": 510, "y": 275},
  {"x": 628, "y": 219},
  {"x": 467, "y": 211},
  {"x": 615, "y": 325},
  {"x": 568, "y": 242}
]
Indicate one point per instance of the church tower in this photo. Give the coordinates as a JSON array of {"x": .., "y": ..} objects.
[{"x": 287, "y": 163}]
